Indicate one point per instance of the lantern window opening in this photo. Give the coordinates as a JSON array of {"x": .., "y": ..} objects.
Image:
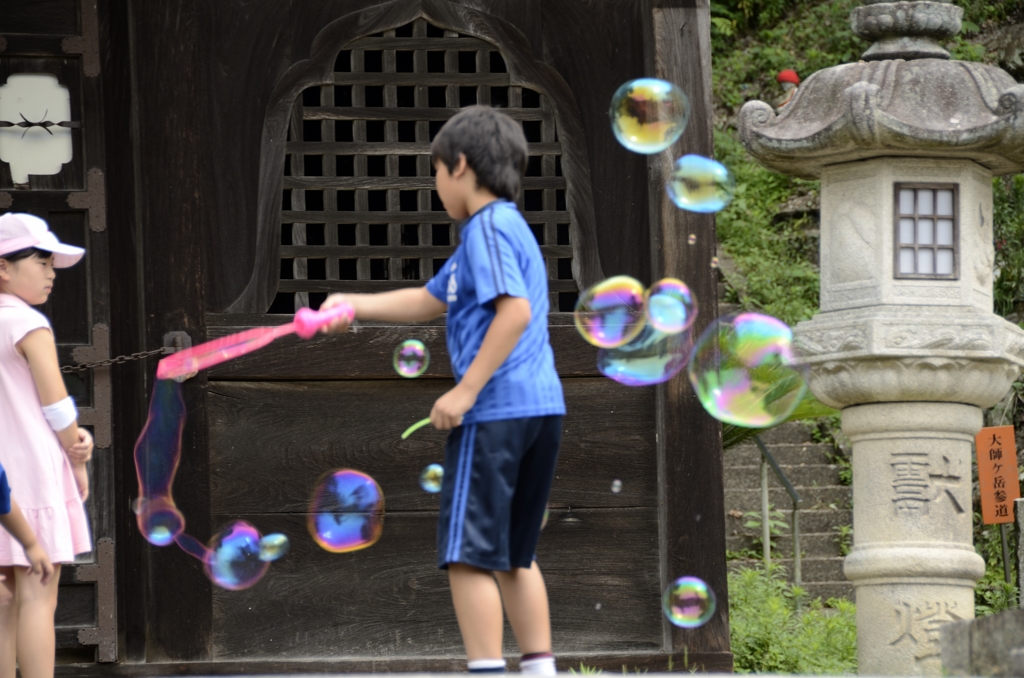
[{"x": 926, "y": 231}]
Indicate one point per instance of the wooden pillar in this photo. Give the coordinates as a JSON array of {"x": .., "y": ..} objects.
[{"x": 689, "y": 441}]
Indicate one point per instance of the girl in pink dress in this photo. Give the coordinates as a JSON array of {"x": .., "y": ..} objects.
[{"x": 42, "y": 450}]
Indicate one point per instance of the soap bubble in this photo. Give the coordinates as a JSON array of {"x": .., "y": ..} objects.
[
  {"x": 273, "y": 547},
  {"x": 692, "y": 239},
  {"x": 611, "y": 313},
  {"x": 430, "y": 479},
  {"x": 671, "y": 307},
  {"x": 159, "y": 520},
  {"x": 616, "y": 486},
  {"x": 649, "y": 115},
  {"x": 700, "y": 184},
  {"x": 233, "y": 560},
  {"x": 411, "y": 358},
  {"x": 688, "y": 602},
  {"x": 744, "y": 372},
  {"x": 346, "y": 512},
  {"x": 651, "y": 358},
  {"x": 714, "y": 262}
]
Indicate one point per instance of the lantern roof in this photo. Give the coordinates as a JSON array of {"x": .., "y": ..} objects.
[{"x": 904, "y": 98}]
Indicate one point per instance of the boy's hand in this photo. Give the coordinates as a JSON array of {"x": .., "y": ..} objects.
[
  {"x": 39, "y": 563},
  {"x": 81, "y": 452},
  {"x": 449, "y": 408},
  {"x": 339, "y": 325}
]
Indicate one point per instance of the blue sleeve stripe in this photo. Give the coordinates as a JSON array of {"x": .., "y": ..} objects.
[{"x": 499, "y": 287}]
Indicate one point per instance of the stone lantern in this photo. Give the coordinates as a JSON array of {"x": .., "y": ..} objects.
[{"x": 905, "y": 143}]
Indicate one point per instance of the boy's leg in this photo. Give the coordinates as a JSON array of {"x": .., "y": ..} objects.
[
  {"x": 478, "y": 609},
  {"x": 526, "y": 604},
  {"x": 36, "y": 607},
  {"x": 8, "y": 623}
]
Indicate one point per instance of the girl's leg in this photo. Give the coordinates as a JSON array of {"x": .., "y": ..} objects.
[
  {"x": 8, "y": 623},
  {"x": 36, "y": 607}
]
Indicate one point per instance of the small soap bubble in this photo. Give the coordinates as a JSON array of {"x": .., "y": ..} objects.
[
  {"x": 611, "y": 313},
  {"x": 652, "y": 358},
  {"x": 692, "y": 239},
  {"x": 411, "y": 358},
  {"x": 744, "y": 372},
  {"x": 597, "y": 606},
  {"x": 273, "y": 547},
  {"x": 431, "y": 477},
  {"x": 714, "y": 262},
  {"x": 159, "y": 520},
  {"x": 233, "y": 560},
  {"x": 671, "y": 307},
  {"x": 346, "y": 512},
  {"x": 700, "y": 184},
  {"x": 649, "y": 115},
  {"x": 688, "y": 602},
  {"x": 616, "y": 486}
]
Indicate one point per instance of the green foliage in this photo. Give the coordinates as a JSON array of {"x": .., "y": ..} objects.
[
  {"x": 809, "y": 407},
  {"x": 1008, "y": 226},
  {"x": 843, "y": 538},
  {"x": 777, "y": 526},
  {"x": 774, "y": 628},
  {"x": 588, "y": 670},
  {"x": 775, "y": 256},
  {"x": 993, "y": 594}
]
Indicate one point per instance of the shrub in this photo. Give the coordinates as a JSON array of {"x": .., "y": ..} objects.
[{"x": 774, "y": 628}]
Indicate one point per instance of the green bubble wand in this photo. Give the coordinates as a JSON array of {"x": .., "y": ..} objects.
[{"x": 415, "y": 427}]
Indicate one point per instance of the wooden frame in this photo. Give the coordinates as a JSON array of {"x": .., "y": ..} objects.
[{"x": 524, "y": 71}]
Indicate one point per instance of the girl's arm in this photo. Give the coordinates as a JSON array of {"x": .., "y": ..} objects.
[
  {"x": 15, "y": 523},
  {"x": 413, "y": 304},
  {"x": 40, "y": 350}
]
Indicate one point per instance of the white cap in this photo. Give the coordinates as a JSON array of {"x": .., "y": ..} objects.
[{"x": 21, "y": 231}]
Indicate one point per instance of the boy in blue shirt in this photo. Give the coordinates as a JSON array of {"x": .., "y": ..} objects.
[
  {"x": 506, "y": 409},
  {"x": 12, "y": 520}
]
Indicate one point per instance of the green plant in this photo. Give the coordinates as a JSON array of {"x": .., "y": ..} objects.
[
  {"x": 843, "y": 538},
  {"x": 774, "y": 628},
  {"x": 1008, "y": 228},
  {"x": 993, "y": 594},
  {"x": 776, "y": 526},
  {"x": 589, "y": 670}
]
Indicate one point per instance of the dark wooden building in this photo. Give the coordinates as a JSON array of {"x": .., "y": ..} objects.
[{"x": 238, "y": 159}]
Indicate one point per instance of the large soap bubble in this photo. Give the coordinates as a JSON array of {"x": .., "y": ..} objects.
[
  {"x": 671, "y": 307},
  {"x": 233, "y": 560},
  {"x": 700, "y": 184},
  {"x": 649, "y": 115},
  {"x": 652, "y": 358},
  {"x": 744, "y": 372},
  {"x": 346, "y": 512},
  {"x": 688, "y": 602},
  {"x": 611, "y": 313}
]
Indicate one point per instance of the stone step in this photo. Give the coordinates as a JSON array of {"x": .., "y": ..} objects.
[
  {"x": 830, "y": 589},
  {"x": 811, "y": 521},
  {"x": 811, "y": 569},
  {"x": 807, "y": 475},
  {"x": 811, "y": 497},
  {"x": 785, "y": 455},
  {"x": 815, "y": 545},
  {"x": 793, "y": 432}
]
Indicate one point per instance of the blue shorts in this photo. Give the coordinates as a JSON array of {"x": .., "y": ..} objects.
[{"x": 497, "y": 477}]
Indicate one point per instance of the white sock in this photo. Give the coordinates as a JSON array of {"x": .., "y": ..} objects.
[
  {"x": 541, "y": 666},
  {"x": 486, "y": 666}
]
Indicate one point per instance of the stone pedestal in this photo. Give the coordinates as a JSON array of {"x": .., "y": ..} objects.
[{"x": 913, "y": 564}]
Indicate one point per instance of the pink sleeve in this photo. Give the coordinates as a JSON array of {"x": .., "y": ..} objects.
[{"x": 18, "y": 324}]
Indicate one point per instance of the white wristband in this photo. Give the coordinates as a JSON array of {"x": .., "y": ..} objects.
[{"x": 61, "y": 414}]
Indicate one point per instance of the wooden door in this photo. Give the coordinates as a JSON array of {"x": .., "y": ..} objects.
[
  {"x": 282, "y": 154},
  {"x": 61, "y": 40}
]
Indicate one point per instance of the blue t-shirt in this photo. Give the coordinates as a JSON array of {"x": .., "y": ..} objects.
[
  {"x": 499, "y": 255},
  {"x": 5, "y": 493}
]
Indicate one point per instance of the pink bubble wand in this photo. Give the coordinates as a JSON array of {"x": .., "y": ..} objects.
[{"x": 306, "y": 324}]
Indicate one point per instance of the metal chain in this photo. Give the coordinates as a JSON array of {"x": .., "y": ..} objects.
[{"x": 119, "y": 360}]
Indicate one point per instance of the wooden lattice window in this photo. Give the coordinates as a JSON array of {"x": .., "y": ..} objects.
[{"x": 360, "y": 213}]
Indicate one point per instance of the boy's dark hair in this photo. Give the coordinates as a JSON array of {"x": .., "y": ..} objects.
[
  {"x": 494, "y": 146},
  {"x": 18, "y": 255}
]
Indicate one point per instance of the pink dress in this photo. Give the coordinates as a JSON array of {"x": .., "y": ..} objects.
[{"x": 37, "y": 467}]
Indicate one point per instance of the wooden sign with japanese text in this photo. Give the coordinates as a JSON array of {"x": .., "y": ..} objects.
[{"x": 997, "y": 473}]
